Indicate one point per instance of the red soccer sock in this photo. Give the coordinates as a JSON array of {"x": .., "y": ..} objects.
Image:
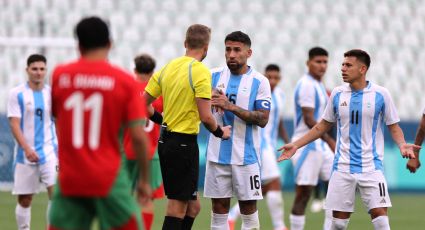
[{"x": 147, "y": 220}]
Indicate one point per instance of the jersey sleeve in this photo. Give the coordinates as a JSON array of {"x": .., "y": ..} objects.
[
  {"x": 201, "y": 81},
  {"x": 390, "y": 111},
  {"x": 264, "y": 96},
  {"x": 13, "y": 107},
  {"x": 329, "y": 113},
  {"x": 306, "y": 95},
  {"x": 136, "y": 107},
  {"x": 153, "y": 87}
]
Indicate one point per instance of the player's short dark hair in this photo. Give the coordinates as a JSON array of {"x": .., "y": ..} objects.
[
  {"x": 92, "y": 33},
  {"x": 238, "y": 36},
  {"x": 272, "y": 67},
  {"x": 197, "y": 36},
  {"x": 36, "y": 58},
  {"x": 144, "y": 63},
  {"x": 317, "y": 51},
  {"x": 361, "y": 55}
]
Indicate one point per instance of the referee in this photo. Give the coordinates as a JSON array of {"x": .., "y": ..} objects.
[{"x": 185, "y": 84}]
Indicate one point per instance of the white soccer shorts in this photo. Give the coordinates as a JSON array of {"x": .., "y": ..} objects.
[
  {"x": 326, "y": 169},
  {"x": 342, "y": 191},
  {"x": 27, "y": 177},
  {"x": 310, "y": 165},
  {"x": 269, "y": 168},
  {"x": 226, "y": 181}
]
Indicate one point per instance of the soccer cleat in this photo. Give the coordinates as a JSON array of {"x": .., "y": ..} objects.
[
  {"x": 316, "y": 206},
  {"x": 231, "y": 224}
]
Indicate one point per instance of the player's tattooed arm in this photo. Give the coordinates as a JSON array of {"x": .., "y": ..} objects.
[{"x": 256, "y": 117}]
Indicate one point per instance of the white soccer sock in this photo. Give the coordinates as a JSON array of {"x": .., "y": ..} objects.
[
  {"x": 339, "y": 224},
  {"x": 328, "y": 220},
  {"x": 234, "y": 212},
  {"x": 219, "y": 221},
  {"x": 23, "y": 217},
  {"x": 381, "y": 223},
  {"x": 48, "y": 212},
  {"x": 275, "y": 204},
  {"x": 297, "y": 221},
  {"x": 250, "y": 222}
]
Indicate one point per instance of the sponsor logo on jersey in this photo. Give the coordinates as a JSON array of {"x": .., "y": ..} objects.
[{"x": 344, "y": 103}]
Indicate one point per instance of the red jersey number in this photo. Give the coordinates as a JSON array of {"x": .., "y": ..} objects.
[{"x": 78, "y": 105}]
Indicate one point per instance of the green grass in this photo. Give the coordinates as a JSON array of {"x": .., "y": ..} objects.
[{"x": 407, "y": 213}]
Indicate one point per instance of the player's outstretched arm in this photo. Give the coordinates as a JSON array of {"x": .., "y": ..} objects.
[
  {"x": 406, "y": 150},
  {"x": 141, "y": 145},
  {"x": 316, "y": 132},
  {"x": 30, "y": 154},
  {"x": 414, "y": 164},
  {"x": 204, "y": 110}
]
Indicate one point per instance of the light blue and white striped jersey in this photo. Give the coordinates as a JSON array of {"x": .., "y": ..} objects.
[
  {"x": 250, "y": 91},
  {"x": 37, "y": 126},
  {"x": 269, "y": 134},
  {"x": 309, "y": 93},
  {"x": 361, "y": 117}
]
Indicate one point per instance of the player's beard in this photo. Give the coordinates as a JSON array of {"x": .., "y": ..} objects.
[{"x": 234, "y": 67}]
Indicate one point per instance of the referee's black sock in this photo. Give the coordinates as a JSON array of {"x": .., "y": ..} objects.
[
  {"x": 187, "y": 223},
  {"x": 172, "y": 223}
]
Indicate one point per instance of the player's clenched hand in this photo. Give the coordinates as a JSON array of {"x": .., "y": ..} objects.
[
  {"x": 31, "y": 155},
  {"x": 220, "y": 101},
  {"x": 407, "y": 150},
  {"x": 144, "y": 192},
  {"x": 413, "y": 165},
  {"x": 288, "y": 151},
  {"x": 227, "y": 131}
]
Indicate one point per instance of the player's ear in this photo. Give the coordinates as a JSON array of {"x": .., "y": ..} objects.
[
  {"x": 185, "y": 44},
  {"x": 249, "y": 52}
]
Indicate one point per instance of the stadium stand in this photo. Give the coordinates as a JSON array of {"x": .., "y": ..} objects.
[{"x": 282, "y": 31}]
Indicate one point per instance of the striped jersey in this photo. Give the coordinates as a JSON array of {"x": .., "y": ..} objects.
[
  {"x": 360, "y": 116},
  {"x": 37, "y": 125},
  {"x": 250, "y": 91},
  {"x": 269, "y": 134},
  {"x": 310, "y": 93}
]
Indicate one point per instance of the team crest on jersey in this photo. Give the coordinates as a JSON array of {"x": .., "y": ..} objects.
[{"x": 221, "y": 86}]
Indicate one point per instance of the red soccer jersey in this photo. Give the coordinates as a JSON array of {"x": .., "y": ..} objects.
[
  {"x": 92, "y": 101},
  {"x": 151, "y": 128}
]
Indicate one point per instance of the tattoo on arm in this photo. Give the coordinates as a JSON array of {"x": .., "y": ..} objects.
[{"x": 257, "y": 117}]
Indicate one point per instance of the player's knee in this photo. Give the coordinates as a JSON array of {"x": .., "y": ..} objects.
[
  {"x": 376, "y": 212},
  {"x": 339, "y": 224},
  {"x": 248, "y": 207},
  {"x": 25, "y": 200},
  {"x": 221, "y": 206}
]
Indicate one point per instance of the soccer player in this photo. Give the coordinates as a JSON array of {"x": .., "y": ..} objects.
[
  {"x": 360, "y": 109},
  {"x": 313, "y": 161},
  {"x": 32, "y": 125},
  {"x": 414, "y": 164},
  {"x": 243, "y": 97},
  {"x": 270, "y": 174},
  {"x": 93, "y": 101},
  {"x": 185, "y": 84},
  {"x": 144, "y": 67}
]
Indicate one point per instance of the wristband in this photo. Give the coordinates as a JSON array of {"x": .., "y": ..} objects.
[
  {"x": 156, "y": 117},
  {"x": 218, "y": 132}
]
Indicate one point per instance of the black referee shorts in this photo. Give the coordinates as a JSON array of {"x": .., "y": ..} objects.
[{"x": 179, "y": 159}]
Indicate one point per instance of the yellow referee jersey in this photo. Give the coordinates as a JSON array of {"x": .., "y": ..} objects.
[{"x": 179, "y": 82}]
